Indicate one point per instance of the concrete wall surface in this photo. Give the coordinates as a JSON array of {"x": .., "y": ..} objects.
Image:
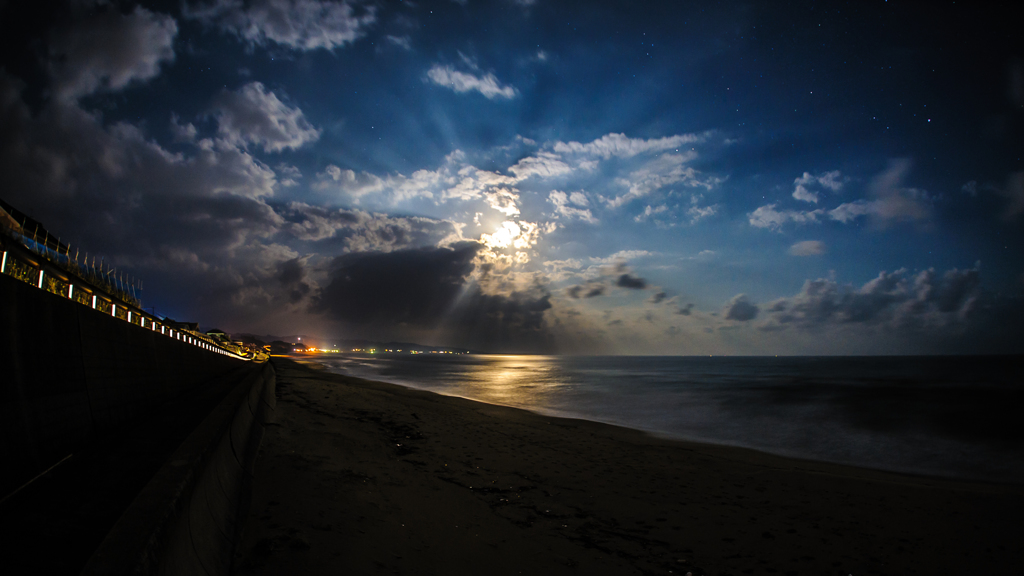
[
  {"x": 188, "y": 519},
  {"x": 69, "y": 373}
]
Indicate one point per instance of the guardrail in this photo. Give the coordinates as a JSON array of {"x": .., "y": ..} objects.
[{"x": 45, "y": 268}]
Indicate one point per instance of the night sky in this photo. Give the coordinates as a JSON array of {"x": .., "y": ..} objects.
[{"x": 537, "y": 176}]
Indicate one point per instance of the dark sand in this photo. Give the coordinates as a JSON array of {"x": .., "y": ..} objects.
[{"x": 360, "y": 477}]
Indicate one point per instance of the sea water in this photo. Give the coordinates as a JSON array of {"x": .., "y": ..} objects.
[{"x": 959, "y": 417}]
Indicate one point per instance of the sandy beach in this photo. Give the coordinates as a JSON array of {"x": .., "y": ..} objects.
[{"x": 360, "y": 477}]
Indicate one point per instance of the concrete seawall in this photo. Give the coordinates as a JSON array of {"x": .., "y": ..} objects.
[
  {"x": 188, "y": 519},
  {"x": 71, "y": 373}
]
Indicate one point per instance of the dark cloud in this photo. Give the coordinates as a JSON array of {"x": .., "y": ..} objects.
[
  {"x": 891, "y": 296},
  {"x": 405, "y": 292},
  {"x": 513, "y": 322},
  {"x": 361, "y": 231},
  {"x": 292, "y": 275},
  {"x": 740, "y": 308},
  {"x": 417, "y": 287},
  {"x": 110, "y": 50},
  {"x": 685, "y": 310},
  {"x": 1014, "y": 194},
  {"x": 630, "y": 281},
  {"x": 179, "y": 220},
  {"x": 588, "y": 290},
  {"x": 657, "y": 297}
]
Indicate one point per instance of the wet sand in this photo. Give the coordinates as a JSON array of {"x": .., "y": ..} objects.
[{"x": 360, "y": 477}]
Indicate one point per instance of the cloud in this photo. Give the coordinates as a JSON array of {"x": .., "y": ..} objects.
[
  {"x": 196, "y": 217},
  {"x": 852, "y": 210},
  {"x": 630, "y": 281},
  {"x": 896, "y": 299},
  {"x": 685, "y": 310},
  {"x": 471, "y": 183},
  {"x": 564, "y": 206},
  {"x": 618, "y": 260},
  {"x": 808, "y": 248},
  {"x": 293, "y": 276},
  {"x": 769, "y": 217},
  {"x": 703, "y": 255},
  {"x": 401, "y": 41},
  {"x": 431, "y": 291},
  {"x": 832, "y": 181},
  {"x": 665, "y": 170},
  {"x": 801, "y": 193},
  {"x": 1013, "y": 191},
  {"x": 416, "y": 286},
  {"x": 649, "y": 211},
  {"x": 296, "y": 24},
  {"x": 588, "y": 290},
  {"x": 544, "y": 165},
  {"x": 1014, "y": 194},
  {"x": 621, "y": 146},
  {"x": 454, "y": 180},
  {"x": 902, "y": 312},
  {"x": 889, "y": 201},
  {"x": 697, "y": 213},
  {"x": 603, "y": 274},
  {"x": 348, "y": 181},
  {"x": 291, "y": 175},
  {"x": 363, "y": 231},
  {"x": 894, "y": 202},
  {"x": 182, "y": 133},
  {"x": 740, "y": 308},
  {"x": 657, "y": 297},
  {"x": 488, "y": 85},
  {"x": 110, "y": 51},
  {"x": 252, "y": 115}
]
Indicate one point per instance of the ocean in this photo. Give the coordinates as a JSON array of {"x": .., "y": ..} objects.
[{"x": 955, "y": 417}]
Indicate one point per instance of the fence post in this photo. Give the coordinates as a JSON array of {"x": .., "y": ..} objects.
[
  {"x": 3, "y": 266},
  {"x": 40, "y": 278}
]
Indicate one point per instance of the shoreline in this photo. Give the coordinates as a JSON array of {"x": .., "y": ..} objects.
[
  {"x": 315, "y": 364},
  {"x": 376, "y": 477}
]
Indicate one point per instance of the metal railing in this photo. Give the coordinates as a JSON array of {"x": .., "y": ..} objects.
[{"x": 100, "y": 288}]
